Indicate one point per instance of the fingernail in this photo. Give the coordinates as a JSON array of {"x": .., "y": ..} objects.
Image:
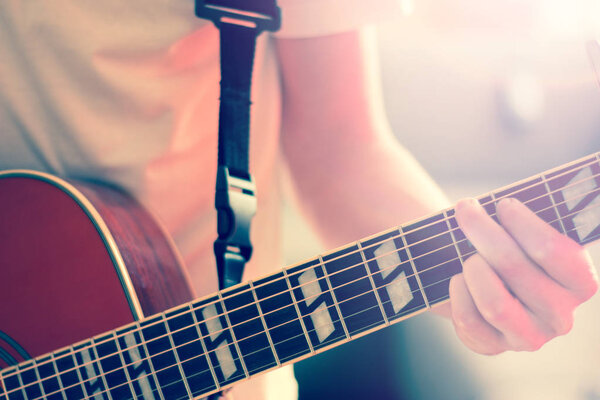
[
  {"x": 508, "y": 201},
  {"x": 467, "y": 203}
]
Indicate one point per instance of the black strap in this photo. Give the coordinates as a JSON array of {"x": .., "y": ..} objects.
[
  {"x": 239, "y": 22},
  {"x": 237, "y": 58}
]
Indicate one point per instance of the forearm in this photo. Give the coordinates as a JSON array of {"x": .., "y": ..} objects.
[{"x": 356, "y": 188}]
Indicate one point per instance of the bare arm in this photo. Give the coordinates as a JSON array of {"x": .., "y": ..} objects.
[{"x": 354, "y": 179}]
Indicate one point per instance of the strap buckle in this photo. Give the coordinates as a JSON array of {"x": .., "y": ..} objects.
[
  {"x": 235, "y": 202},
  {"x": 222, "y": 14}
]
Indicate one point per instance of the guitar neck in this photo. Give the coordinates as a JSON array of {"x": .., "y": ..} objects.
[{"x": 209, "y": 344}]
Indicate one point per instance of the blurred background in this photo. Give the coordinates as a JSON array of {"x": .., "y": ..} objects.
[{"x": 484, "y": 93}]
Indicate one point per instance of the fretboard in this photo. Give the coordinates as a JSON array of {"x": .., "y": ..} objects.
[{"x": 209, "y": 344}]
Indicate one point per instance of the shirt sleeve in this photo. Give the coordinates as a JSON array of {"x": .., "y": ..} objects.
[{"x": 309, "y": 18}]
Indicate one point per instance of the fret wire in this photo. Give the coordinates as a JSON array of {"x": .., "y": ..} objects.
[
  {"x": 20, "y": 378},
  {"x": 264, "y": 323},
  {"x": 554, "y": 205},
  {"x": 517, "y": 191},
  {"x": 319, "y": 351},
  {"x": 412, "y": 264},
  {"x": 10, "y": 371},
  {"x": 595, "y": 237},
  {"x": 148, "y": 358},
  {"x": 5, "y": 373},
  {"x": 178, "y": 361},
  {"x": 495, "y": 200},
  {"x": 416, "y": 230},
  {"x": 473, "y": 252},
  {"x": 379, "y": 302},
  {"x": 560, "y": 175},
  {"x": 300, "y": 317},
  {"x": 77, "y": 371},
  {"x": 335, "y": 301},
  {"x": 62, "y": 389},
  {"x": 446, "y": 246},
  {"x": 204, "y": 348},
  {"x": 102, "y": 373},
  {"x": 39, "y": 379},
  {"x": 18, "y": 373},
  {"x": 465, "y": 240},
  {"x": 338, "y": 343},
  {"x": 183, "y": 378},
  {"x": 525, "y": 188},
  {"x": 412, "y": 292},
  {"x": 125, "y": 369},
  {"x": 235, "y": 341},
  {"x": 413, "y": 312},
  {"x": 357, "y": 313},
  {"x": 377, "y": 327},
  {"x": 451, "y": 230},
  {"x": 348, "y": 299}
]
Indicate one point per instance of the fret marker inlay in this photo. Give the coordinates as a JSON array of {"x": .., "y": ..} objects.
[
  {"x": 387, "y": 259},
  {"x": 586, "y": 220},
  {"x": 580, "y": 185},
  {"x": 213, "y": 324},
  {"x": 320, "y": 317},
  {"x": 204, "y": 346},
  {"x": 138, "y": 366},
  {"x": 94, "y": 385}
]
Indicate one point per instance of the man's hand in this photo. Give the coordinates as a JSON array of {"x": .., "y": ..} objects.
[{"x": 521, "y": 288}]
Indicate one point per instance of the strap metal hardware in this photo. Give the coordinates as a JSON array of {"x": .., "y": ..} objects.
[
  {"x": 218, "y": 14},
  {"x": 235, "y": 202}
]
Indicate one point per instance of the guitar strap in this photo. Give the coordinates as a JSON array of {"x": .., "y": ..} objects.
[{"x": 239, "y": 23}]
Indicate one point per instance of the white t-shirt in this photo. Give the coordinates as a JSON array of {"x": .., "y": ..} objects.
[{"x": 127, "y": 92}]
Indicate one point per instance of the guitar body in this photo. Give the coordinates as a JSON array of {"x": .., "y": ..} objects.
[{"x": 77, "y": 260}]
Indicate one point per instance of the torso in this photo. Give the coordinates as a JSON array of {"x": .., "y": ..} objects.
[{"x": 128, "y": 93}]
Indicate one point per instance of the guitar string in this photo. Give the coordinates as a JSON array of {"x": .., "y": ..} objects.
[
  {"x": 215, "y": 349},
  {"x": 214, "y": 387},
  {"x": 380, "y": 324},
  {"x": 429, "y": 238},
  {"x": 236, "y": 379},
  {"x": 525, "y": 188},
  {"x": 557, "y": 168},
  {"x": 372, "y": 327},
  {"x": 585, "y": 160},
  {"x": 204, "y": 337},
  {"x": 247, "y": 305}
]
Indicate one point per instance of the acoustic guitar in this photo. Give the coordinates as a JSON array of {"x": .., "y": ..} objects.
[{"x": 86, "y": 270}]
